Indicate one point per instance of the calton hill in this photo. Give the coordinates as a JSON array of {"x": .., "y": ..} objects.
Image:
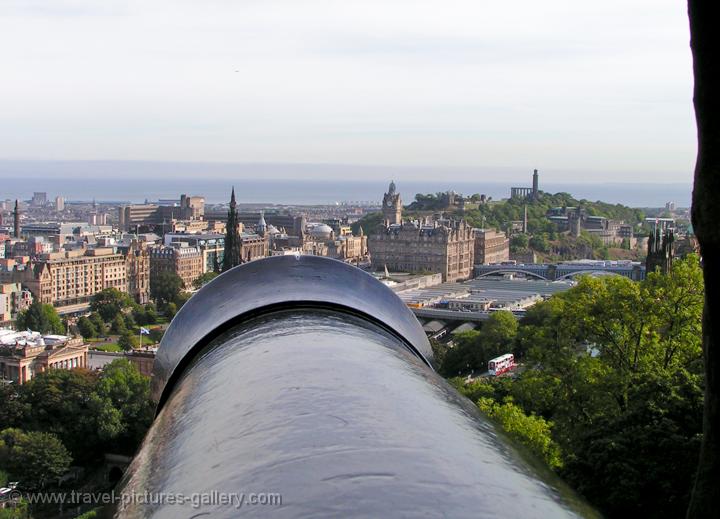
[{"x": 541, "y": 237}]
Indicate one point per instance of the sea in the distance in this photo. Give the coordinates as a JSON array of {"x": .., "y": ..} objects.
[
  {"x": 306, "y": 184},
  {"x": 318, "y": 192}
]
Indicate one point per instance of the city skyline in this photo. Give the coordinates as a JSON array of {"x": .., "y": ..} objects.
[{"x": 449, "y": 87}]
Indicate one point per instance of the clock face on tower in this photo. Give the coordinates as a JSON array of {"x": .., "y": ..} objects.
[{"x": 389, "y": 202}]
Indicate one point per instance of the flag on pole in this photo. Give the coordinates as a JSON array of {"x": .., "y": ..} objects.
[{"x": 144, "y": 331}]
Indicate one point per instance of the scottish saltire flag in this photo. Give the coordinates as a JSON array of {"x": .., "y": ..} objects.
[{"x": 144, "y": 331}]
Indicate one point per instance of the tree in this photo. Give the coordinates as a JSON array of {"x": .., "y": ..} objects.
[
  {"x": 170, "y": 310},
  {"x": 59, "y": 403},
  {"x": 499, "y": 331},
  {"x": 519, "y": 242},
  {"x": 34, "y": 458},
  {"x": 127, "y": 341},
  {"x": 20, "y": 510},
  {"x": 128, "y": 391},
  {"x": 130, "y": 323},
  {"x": 530, "y": 430},
  {"x": 615, "y": 365},
  {"x": 640, "y": 463},
  {"x": 473, "y": 349},
  {"x": 87, "y": 328},
  {"x": 118, "y": 325},
  {"x": 12, "y": 409},
  {"x": 89, "y": 413},
  {"x": 704, "y": 16},
  {"x": 151, "y": 315},
  {"x": 439, "y": 352},
  {"x": 41, "y": 318},
  {"x": 156, "y": 334},
  {"x": 464, "y": 356},
  {"x": 181, "y": 299},
  {"x": 139, "y": 316},
  {"x": 145, "y": 315},
  {"x": 204, "y": 279},
  {"x": 109, "y": 303},
  {"x": 166, "y": 287},
  {"x": 539, "y": 243},
  {"x": 677, "y": 299},
  {"x": 98, "y": 323}
]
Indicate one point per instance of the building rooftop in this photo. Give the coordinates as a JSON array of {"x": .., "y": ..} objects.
[
  {"x": 12, "y": 337},
  {"x": 501, "y": 292}
]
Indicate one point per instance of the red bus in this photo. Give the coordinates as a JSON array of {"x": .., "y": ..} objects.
[{"x": 501, "y": 364}]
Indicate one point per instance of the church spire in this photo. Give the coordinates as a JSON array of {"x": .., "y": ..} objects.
[
  {"x": 261, "y": 227},
  {"x": 16, "y": 220},
  {"x": 231, "y": 256}
]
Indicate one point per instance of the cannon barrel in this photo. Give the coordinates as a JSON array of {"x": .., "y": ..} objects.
[{"x": 303, "y": 387}]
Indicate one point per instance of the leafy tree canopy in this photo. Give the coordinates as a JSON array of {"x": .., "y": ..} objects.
[
  {"x": 614, "y": 367},
  {"x": 87, "y": 328},
  {"x": 203, "y": 280},
  {"x": 473, "y": 349},
  {"x": 166, "y": 287},
  {"x": 34, "y": 458},
  {"x": 109, "y": 303},
  {"x": 127, "y": 341},
  {"x": 89, "y": 413},
  {"x": 41, "y": 318}
]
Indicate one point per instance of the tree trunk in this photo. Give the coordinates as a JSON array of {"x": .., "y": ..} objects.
[{"x": 705, "y": 40}]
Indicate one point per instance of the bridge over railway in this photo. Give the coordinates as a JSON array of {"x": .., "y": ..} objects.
[
  {"x": 450, "y": 315},
  {"x": 554, "y": 272}
]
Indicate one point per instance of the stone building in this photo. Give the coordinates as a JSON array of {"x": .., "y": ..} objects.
[
  {"x": 144, "y": 359},
  {"x": 392, "y": 207},
  {"x": 348, "y": 248},
  {"x": 441, "y": 245},
  {"x": 187, "y": 208},
  {"x": 323, "y": 240},
  {"x": 73, "y": 277},
  {"x": 289, "y": 223},
  {"x": 178, "y": 258},
  {"x": 25, "y": 354},
  {"x": 528, "y": 193},
  {"x": 13, "y": 300},
  {"x": 211, "y": 246},
  {"x": 491, "y": 246},
  {"x": 33, "y": 247},
  {"x": 253, "y": 246},
  {"x": 137, "y": 261},
  {"x": 575, "y": 220}
]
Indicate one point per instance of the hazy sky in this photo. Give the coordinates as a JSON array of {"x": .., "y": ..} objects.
[{"x": 583, "y": 90}]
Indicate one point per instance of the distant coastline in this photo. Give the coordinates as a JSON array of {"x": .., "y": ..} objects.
[
  {"x": 307, "y": 184},
  {"x": 319, "y": 192}
]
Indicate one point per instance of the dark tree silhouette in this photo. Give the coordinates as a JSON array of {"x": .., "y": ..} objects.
[{"x": 705, "y": 40}]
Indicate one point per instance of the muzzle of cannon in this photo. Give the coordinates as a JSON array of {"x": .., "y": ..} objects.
[{"x": 299, "y": 386}]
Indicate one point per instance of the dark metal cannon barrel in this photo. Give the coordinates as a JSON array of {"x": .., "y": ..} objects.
[{"x": 299, "y": 386}]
